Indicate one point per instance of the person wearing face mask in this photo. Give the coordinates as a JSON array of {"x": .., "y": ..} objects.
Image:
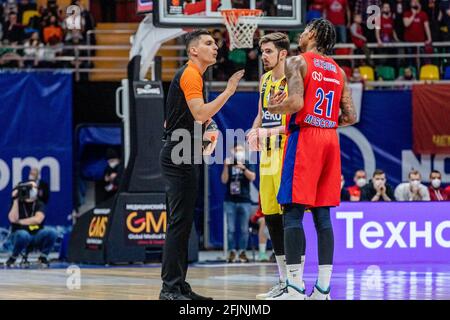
[
  {"x": 27, "y": 216},
  {"x": 237, "y": 174},
  {"x": 360, "y": 182},
  {"x": 345, "y": 196},
  {"x": 437, "y": 193},
  {"x": 112, "y": 173},
  {"x": 417, "y": 27},
  {"x": 412, "y": 190},
  {"x": 377, "y": 189},
  {"x": 43, "y": 188},
  {"x": 386, "y": 34}
]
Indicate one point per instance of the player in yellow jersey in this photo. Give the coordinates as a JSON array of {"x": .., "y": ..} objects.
[{"x": 268, "y": 136}]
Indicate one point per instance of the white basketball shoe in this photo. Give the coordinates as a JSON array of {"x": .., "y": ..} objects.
[
  {"x": 290, "y": 293},
  {"x": 319, "y": 294},
  {"x": 274, "y": 291}
]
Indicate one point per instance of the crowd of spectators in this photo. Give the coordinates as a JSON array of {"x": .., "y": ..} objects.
[
  {"x": 407, "y": 21},
  {"x": 42, "y": 30},
  {"x": 378, "y": 189}
]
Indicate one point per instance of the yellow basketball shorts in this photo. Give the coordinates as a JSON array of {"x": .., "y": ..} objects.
[{"x": 271, "y": 162}]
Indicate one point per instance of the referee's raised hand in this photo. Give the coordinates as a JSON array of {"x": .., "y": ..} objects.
[{"x": 233, "y": 82}]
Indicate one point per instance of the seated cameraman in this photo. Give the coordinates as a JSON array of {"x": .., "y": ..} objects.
[{"x": 27, "y": 217}]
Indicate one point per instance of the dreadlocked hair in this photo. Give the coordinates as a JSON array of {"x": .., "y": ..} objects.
[{"x": 325, "y": 34}]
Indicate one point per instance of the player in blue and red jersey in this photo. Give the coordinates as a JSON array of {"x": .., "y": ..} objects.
[{"x": 319, "y": 102}]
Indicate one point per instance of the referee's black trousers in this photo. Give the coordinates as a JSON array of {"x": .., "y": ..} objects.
[{"x": 182, "y": 187}]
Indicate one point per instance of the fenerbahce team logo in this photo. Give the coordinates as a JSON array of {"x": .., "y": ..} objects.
[{"x": 73, "y": 17}]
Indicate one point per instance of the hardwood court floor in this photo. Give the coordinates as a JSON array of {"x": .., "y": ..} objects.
[{"x": 226, "y": 282}]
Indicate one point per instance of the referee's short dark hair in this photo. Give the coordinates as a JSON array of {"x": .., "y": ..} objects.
[{"x": 194, "y": 36}]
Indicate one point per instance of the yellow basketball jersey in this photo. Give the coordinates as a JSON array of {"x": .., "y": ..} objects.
[
  {"x": 270, "y": 120},
  {"x": 271, "y": 159}
]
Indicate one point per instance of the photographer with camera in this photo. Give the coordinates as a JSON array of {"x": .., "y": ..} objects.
[
  {"x": 237, "y": 174},
  {"x": 27, "y": 215},
  {"x": 43, "y": 188}
]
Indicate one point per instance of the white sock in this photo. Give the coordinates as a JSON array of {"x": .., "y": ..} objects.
[
  {"x": 262, "y": 248},
  {"x": 324, "y": 278},
  {"x": 295, "y": 275},
  {"x": 281, "y": 263},
  {"x": 302, "y": 265}
]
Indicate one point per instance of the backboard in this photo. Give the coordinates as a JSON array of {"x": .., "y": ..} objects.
[{"x": 278, "y": 14}]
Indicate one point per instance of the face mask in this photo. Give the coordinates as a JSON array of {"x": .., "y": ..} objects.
[
  {"x": 415, "y": 183},
  {"x": 436, "y": 183},
  {"x": 33, "y": 193},
  {"x": 240, "y": 156},
  {"x": 113, "y": 164},
  {"x": 32, "y": 178},
  {"x": 361, "y": 182}
]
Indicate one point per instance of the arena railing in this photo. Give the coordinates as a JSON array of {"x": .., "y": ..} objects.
[{"x": 77, "y": 59}]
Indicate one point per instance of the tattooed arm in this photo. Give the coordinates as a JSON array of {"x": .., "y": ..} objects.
[
  {"x": 294, "y": 102},
  {"x": 348, "y": 113}
]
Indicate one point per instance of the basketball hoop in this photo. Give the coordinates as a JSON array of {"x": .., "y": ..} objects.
[{"x": 241, "y": 25}]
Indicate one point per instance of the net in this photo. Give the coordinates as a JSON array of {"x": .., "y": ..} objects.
[{"x": 241, "y": 25}]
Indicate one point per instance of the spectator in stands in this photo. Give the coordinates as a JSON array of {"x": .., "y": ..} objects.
[
  {"x": 237, "y": 174},
  {"x": 408, "y": 75},
  {"x": 87, "y": 20},
  {"x": 399, "y": 9},
  {"x": 113, "y": 173},
  {"x": 358, "y": 38},
  {"x": 33, "y": 50},
  {"x": 417, "y": 27},
  {"x": 315, "y": 10},
  {"x": 220, "y": 68},
  {"x": 432, "y": 9},
  {"x": 50, "y": 51},
  {"x": 338, "y": 13},
  {"x": 345, "y": 196},
  {"x": 386, "y": 33},
  {"x": 412, "y": 190},
  {"x": 27, "y": 216},
  {"x": 437, "y": 193},
  {"x": 13, "y": 31},
  {"x": 53, "y": 30},
  {"x": 23, "y": 6},
  {"x": 10, "y": 7},
  {"x": 251, "y": 66},
  {"x": 447, "y": 192},
  {"x": 444, "y": 7},
  {"x": 377, "y": 189},
  {"x": 361, "y": 9},
  {"x": 360, "y": 180},
  {"x": 356, "y": 76},
  {"x": 43, "y": 189}
]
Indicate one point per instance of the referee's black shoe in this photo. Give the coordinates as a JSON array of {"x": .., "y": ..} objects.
[{"x": 187, "y": 291}]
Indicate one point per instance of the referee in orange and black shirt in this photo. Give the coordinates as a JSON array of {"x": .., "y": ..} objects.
[{"x": 186, "y": 107}]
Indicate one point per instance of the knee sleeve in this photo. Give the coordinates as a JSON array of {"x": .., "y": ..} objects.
[
  {"x": 322, "y": 218},
  {"x": 274, "y": 224},
  {"x": 293, "y": 216}
]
